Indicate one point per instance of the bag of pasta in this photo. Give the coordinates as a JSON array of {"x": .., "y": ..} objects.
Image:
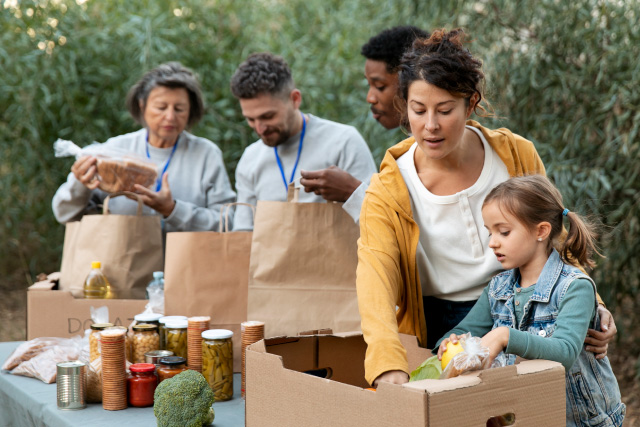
[{"x": 472, "y": 357}]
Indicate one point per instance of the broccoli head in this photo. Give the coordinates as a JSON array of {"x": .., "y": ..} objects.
[{"x": 183, "y": 401}]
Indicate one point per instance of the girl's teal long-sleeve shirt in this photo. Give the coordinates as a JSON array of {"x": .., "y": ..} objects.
[{"x": 574, "y": 316}]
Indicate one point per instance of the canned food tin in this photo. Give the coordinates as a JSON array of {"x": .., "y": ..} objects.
[
  {"x": 71, "y": 385},
  {"x": 154, "y": 356}
]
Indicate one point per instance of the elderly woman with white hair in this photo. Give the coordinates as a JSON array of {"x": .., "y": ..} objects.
[{"x": 192, "y": 184}]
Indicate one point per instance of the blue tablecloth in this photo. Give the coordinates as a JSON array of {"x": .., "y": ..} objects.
[{"x": 30, "y": 402}]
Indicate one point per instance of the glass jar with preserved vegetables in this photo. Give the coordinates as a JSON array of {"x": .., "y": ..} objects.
[
  {"x": 141, "y": 384},
  {"x": 162, "y": 329},
  {"x": 176, "y": 337},
  {"x": 170, "y": 367},
  {"x": 145, "y": 338},
  {"x": 94, "y": 339},
  {"x": 217, "y": 362},
  {"x": 149, "y": 318}
]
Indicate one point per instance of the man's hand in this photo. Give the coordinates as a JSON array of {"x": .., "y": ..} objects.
[
  {"x": 85, "y": 170},
  {"x": 394, "y": 377},
  {"x": 162, "y": 201},
  {"x": 598, "y": 342},
  {"x": 332, "y": 184}
]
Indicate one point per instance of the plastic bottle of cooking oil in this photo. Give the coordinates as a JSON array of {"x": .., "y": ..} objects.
[{"x": 96, "y": 284}]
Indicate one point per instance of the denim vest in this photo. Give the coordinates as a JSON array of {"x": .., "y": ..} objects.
[{"x": 593, "y": 396}]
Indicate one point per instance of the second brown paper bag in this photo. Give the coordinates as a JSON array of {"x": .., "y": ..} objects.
[
  {"x": 206, "y": 274},
  {"x": 303, "y": 268}
]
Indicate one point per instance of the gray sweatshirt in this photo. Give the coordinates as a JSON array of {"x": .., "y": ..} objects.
[
  {"x": 197, "y": 178},
  {"x": 325, "y": 144}
]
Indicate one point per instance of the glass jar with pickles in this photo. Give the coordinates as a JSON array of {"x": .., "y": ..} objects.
[
  {"x": 145, "y": 338},
  {"x": 217, "y": 362},
  {"x": 176, "y": 337},
  {"x": 94, "y": 339},
  {"x": 161, "y": 328}
]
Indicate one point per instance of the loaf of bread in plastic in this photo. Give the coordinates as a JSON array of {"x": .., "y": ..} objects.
[{"x": 121, "y": 174}]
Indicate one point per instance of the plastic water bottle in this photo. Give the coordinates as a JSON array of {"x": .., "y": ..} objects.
[
  {"x": 157, "y": 284},
  {"x": 96, "y": 284}
]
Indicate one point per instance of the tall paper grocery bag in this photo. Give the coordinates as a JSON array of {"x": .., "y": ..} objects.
[
  {"x": 129, "y": 247},
  {"x": 302, "y": 274},
  {"x": 206, "y": 274}
]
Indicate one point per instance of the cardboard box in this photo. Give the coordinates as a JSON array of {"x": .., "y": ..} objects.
[
  {"x": 55, "y": 313},
  {"x": 280, "y": 393}
]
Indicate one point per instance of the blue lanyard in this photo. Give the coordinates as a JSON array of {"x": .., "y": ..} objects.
[
  {"x": 166, "y": 165},
  {"x": 295, "y": 166}
]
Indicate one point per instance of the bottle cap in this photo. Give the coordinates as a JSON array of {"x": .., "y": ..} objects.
[
  {"x": 158, "y": 275},
  {"x": 95, "y": 264},
  {"x": 147, "y": 317},
  {"x": 145, "y": 327},
  {"x": 100, "y": 326},
  {"x": 176, "y": 324},
  {"x": 217, "y": 334},
  {"x": 166, "y": 319},
  {"x": 173, "y": 360},
  {"x": 142, "y": 367}
]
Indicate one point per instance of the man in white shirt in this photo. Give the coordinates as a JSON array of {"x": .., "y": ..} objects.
[{"x": 290, "y": 141}]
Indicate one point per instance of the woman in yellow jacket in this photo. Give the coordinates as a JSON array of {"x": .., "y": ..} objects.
[{"x": 423, "y": 248}]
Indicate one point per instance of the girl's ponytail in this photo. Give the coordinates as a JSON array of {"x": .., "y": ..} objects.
[{"x": 580, "y": 243}]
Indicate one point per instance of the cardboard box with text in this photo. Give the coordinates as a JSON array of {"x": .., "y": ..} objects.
[{"x": 55, "y": 313}]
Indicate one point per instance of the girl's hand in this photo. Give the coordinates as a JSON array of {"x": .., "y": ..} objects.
[
  {"x": 394, "y": 377},
  {"x": 162, "y": 201},
  {"x": 496, "y": 341},
  {"x": 85, "y": 169},
  {"x": 598, "y": 342},
  {"x": 453, "y": 338}
]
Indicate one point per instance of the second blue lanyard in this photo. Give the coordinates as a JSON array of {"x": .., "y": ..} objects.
[{"x": 295, "y": 166}]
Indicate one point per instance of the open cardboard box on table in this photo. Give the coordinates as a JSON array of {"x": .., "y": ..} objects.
[
  {"x": 280, "y": 393},
  {"x": 55, "y": 313}
]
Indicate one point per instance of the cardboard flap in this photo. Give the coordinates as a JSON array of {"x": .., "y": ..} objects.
[
  {"x": 44, "y": 285},
  {"x": 258, "y": 347},
  {"x": 495, "y": 375},
  {"x": 533, "y": 366},
  {"x": 439, "y": 386}
]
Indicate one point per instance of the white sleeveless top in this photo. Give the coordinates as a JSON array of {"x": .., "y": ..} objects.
[{"x": 453, "y": 257}]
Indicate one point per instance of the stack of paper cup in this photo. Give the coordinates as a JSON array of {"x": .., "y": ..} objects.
[
  {"x": 114, "y": 377},
  {"x": 195, "y": 327},
  {"x": 252, "y": 331}
]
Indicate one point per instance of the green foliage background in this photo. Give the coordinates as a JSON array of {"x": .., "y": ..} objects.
[{"x": 563, "y": 74}]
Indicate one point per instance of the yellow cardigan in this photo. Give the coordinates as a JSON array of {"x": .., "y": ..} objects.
[{"x": 387, "y": 274}]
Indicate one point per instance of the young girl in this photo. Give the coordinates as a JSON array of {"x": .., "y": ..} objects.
[{"x": 542, "y": 306}]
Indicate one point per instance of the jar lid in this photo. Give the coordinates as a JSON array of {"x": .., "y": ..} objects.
[
  {"x": 147, "y": 317},
  {"x": 145, "y": 327},
  {"x": 100, "y": 326},
  {"x": 142, "y": 367},
  {"x": 166, "y": 318},
  {"x": 173, "y": 360},
  {"x": 158, "y": 353},
  {"x": 176, "y": 324},
  {"x": 217, "y": 334},
  {"x": 96, "y": 264}
]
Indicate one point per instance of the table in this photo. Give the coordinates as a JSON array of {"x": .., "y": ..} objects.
[{"x": 30, "y": 402}]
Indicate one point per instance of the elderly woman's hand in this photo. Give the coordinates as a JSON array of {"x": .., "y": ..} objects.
[
  {"x": 85, "y": 170},
  {"x": 160, "y": 201}
]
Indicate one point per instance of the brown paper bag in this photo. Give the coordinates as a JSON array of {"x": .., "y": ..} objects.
[
  {"x": 206, "y": 274},
  {"x": 303, "y": 268},
  {"x": 129, "y": 248}
]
